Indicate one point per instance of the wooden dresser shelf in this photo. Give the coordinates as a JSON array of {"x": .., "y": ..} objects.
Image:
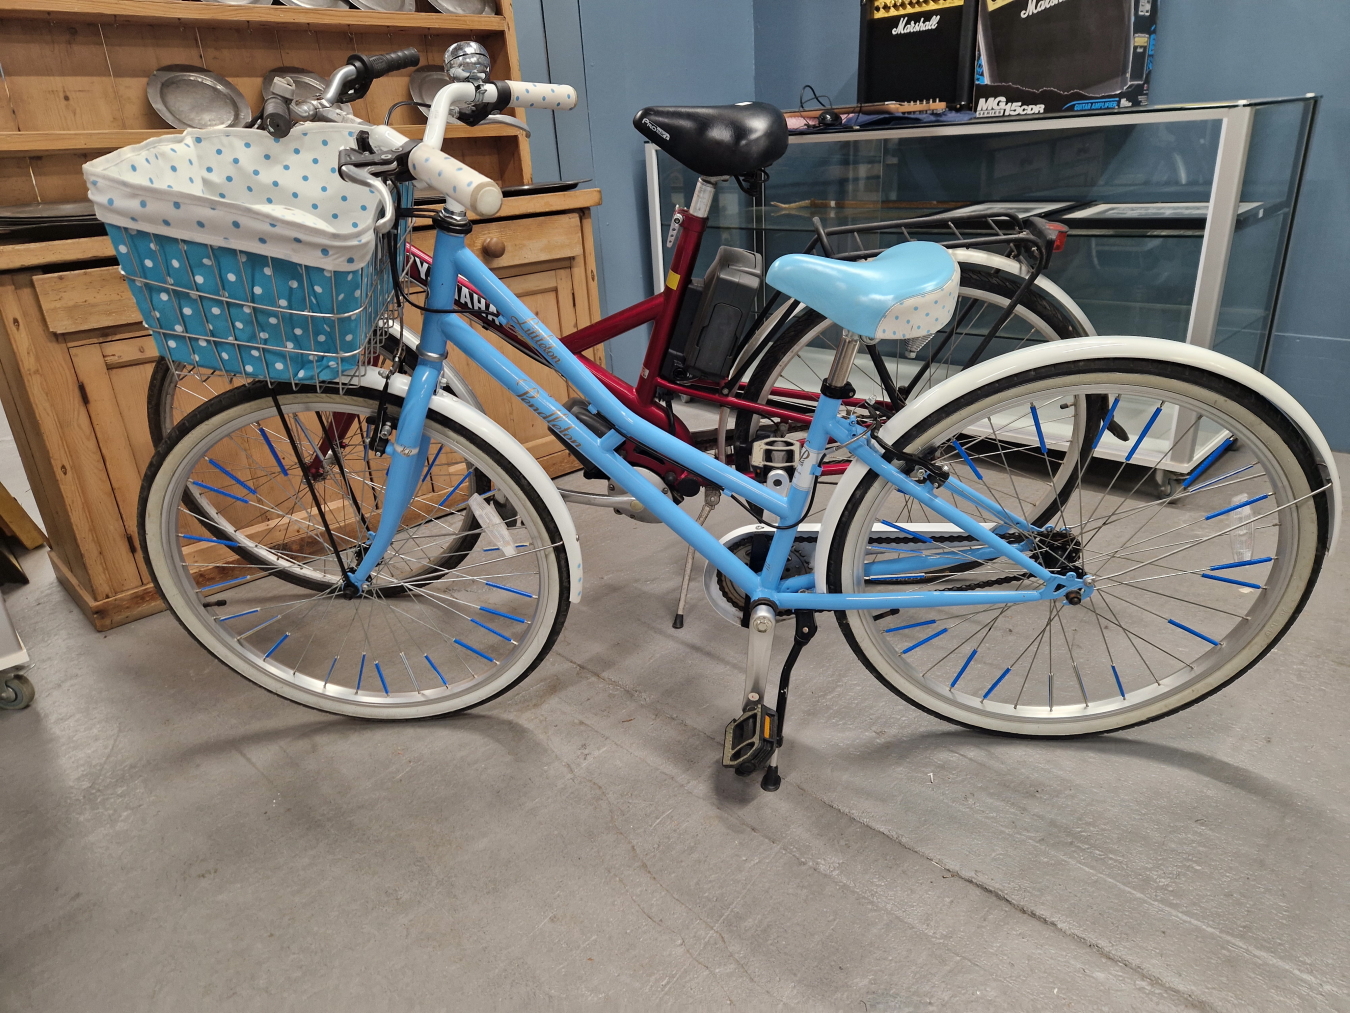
[
  {"x": 47, "y": 142},
  {"x": 197, "y": 12}
]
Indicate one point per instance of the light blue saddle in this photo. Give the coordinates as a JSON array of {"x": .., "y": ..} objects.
[{"x": 907, "y": 292}]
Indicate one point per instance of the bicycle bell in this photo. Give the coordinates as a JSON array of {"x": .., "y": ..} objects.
[{"x": 468, "y": 61}]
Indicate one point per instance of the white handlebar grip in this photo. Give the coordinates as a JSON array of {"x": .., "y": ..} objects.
[
  {"x": 450, "y": 176},
  {"x": 542, "y": 96}
]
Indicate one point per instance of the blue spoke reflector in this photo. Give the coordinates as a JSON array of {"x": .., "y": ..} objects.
[
  {"x": 995, "y": 685},
  {"x": 231, "y": 476},
  {"x": 436, "y": 670},
  {"x": 455, "y": 489},
  {"x": 1106, "y": 422},
  {"x": 963, "y": 668},
  {"x": 966, "y": 457},
  {"x": 1237, "y": 506},
  {"x": 931, "y": 636},
  {"x": 222, "y": 492},
  {"x": 380, "y": 672},
  {"x": 926, "y": 622},
  {"x": 275, "y": 456},
  {"x": 330, "y": 672},
  {"x": 213, "y": 541},
  {"x": 1195, "y": 633},
  {"x": 1040, "y": 436},
  {"x": 284, "y": 638},
  {"x": 474, "y": 650},
  {"x": 1243, "y": 562},
  {"x": 237, "y": 615},
  {"x": 503, "y": 587},
  {"x": 1119, "y": 687},
  {"x": 912, "y": 534},
  {"x": 360, "y": 673},
  {"x": 223, "y": 583},
  {"x": 1139, "y": 440},
  {"x": 495, "y": 633},
  {"x": 432, "y": 463},
  {"x": 1204, "y": 465},
  {"x": 504, "y": 615},
  {"x": 1230, "y": 580}
]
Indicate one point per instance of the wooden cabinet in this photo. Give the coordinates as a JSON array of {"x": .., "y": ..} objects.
[{"x": 76, "y": 361}]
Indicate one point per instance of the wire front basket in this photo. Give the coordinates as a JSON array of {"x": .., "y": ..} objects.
[{"x": 258, "y": 317}]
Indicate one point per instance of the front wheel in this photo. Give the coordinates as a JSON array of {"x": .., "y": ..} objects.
[
  {"x": 468, "y": 600},
  {"x": 1192, "y": 586}
]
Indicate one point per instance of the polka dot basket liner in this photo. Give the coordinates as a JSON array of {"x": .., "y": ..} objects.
[{"x": 246, "y": 253}]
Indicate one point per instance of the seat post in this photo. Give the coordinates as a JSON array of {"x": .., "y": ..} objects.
[
  {"x": 842, "y": 365},
  {"x": 701, "y": 205}
]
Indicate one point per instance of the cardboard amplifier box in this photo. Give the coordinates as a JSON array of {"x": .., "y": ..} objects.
[
  {"x": 1048, "y": 56},
  {"x": 917, "y": 51}
]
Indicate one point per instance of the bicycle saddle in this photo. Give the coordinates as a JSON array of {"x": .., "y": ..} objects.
[
  {"x": 717, "y": 140},
  {"x": 908, "y": 291}
]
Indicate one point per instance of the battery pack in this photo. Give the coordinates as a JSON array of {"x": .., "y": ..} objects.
[{"x": 711, "y": 323}]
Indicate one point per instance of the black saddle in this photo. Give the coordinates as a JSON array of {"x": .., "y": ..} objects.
[{"x": 717, "y": 140}]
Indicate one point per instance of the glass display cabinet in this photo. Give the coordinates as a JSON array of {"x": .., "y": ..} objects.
[{"x": 1179, "y": 216}]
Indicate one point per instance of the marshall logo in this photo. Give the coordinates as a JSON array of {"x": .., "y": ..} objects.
[
  {"x": 1036, "y": 6},
  {"x": 906, "y": 26},
  {"x": 655, "y": 129}
]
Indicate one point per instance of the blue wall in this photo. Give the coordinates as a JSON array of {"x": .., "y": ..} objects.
[
  {"x": 632, "y": 53},
  {"x": 801, "y": 42}
]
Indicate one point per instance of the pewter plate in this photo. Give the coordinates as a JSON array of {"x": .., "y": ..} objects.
[
  {"x": 242, "y": 3},
  {"x": 388, "y": 6},
  {"x": 425, "y": 82},
  {"x": 307, "y": 84},
  {"x": 315, "y": 3},
  {"x": 194, "y": 97},
  {"x": 465, "y": 6}
]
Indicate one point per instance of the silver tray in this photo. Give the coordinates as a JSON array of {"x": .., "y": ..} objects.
[
  {"x": 194, "y": 97},
  {"x": 388, "y": 6},
  {"x": 307, "y": 84},
  {"x": 315, "y": 3},
  {"x": 425, "y": 82}
]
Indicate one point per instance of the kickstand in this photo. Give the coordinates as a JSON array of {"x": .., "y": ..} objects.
[
  {"x": 711, "y": 497},
  {"x": 803, "y": 629}
]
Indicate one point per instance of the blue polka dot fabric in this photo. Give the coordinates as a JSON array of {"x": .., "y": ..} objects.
[
  {"x": 249, "y": 282},
  {"x": 243, "y": 189},
  {"x": 916, "y": 319}
]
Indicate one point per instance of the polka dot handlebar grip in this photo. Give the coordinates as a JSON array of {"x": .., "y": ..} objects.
[
  {"x": 532, "y": 95},
  {"x": 457, "y": 181}
]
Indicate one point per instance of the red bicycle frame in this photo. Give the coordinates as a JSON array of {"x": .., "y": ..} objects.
[{"x": 661, "y": 311}]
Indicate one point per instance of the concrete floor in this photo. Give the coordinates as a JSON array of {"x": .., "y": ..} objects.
[{"x": 177, "y": 839}]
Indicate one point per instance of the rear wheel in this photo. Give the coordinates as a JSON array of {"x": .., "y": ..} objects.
[{"x": 1191, "y": 586}]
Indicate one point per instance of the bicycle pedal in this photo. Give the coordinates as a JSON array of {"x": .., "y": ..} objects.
[{"x": 750, "y": 739}]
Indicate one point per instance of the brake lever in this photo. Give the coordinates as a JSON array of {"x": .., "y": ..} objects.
[{"x": 508, "y": 121}]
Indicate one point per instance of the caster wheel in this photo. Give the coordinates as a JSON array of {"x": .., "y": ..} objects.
[
  {"x": 1167, "y": 483},
  {"x": 16, "y": 692}
]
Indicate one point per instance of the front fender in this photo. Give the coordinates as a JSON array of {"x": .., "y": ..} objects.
[
  {"x": 1081, "y": 349},
  {"x": 474, "y": 420}
]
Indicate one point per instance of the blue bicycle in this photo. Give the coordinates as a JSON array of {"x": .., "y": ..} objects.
[{"x": 998, "y": 553}]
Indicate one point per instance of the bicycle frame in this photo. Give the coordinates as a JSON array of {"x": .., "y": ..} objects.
[
  {"x": 453, "y": 261},
  {"x": 662, "y": 311}
]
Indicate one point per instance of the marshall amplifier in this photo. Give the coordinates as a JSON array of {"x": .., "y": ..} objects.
[
  {"x": 917, "y": 51},
  {"x": 1054, "y": 55}
]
